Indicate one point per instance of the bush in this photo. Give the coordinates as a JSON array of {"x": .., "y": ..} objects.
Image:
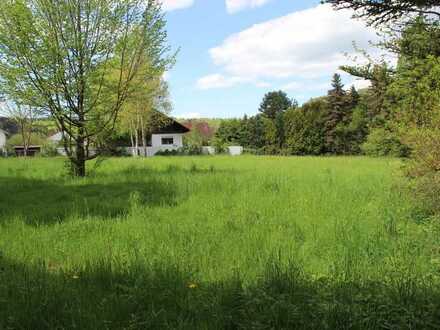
[
  {"x": 424, "y": 167},
  {"x": 188, "y": 150},
  {"x": 191, "y": 149},
  {"x": 382, "y": 142},
  {"x": 17, "y": 140},
  {"x": 49, "y": 150}
]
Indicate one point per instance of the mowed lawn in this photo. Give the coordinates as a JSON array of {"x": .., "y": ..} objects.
[{"x": 215, "y": 243}]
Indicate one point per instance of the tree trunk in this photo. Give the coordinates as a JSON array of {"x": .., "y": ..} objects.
[
  {"x": 136, "y": 139},
  {"x": 79, "y": 165},
  {"x": 24, "y": 138},
  {"x": 144, "y": 139}
]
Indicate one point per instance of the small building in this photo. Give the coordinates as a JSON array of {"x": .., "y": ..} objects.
[
  {"x": 31, "y": 151},
  {"x": 2, "y": 141},
  {"x": 167, "y": 136},
  {"x": 7, "y": 129}
]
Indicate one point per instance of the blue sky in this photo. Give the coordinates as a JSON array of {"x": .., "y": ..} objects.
[{"x": 234, "y": 51}]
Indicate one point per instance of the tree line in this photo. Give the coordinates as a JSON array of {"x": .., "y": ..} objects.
[{"x": 333, "y": 124}]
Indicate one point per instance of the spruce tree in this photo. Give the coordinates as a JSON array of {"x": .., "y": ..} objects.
[
  {"x": 336, "y": 114},
  {"x": 354, "y": 97},
  {"x": 274, "y": 103}
]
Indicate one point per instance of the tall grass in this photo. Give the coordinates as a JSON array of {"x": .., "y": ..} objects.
[{"x": 215, "y": 243}]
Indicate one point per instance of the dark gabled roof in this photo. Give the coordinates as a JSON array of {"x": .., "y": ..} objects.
[
  {"x": 162, "y": 124},
  {"x": 8, "y": 125},
  {"x": 172, "y": 127}
]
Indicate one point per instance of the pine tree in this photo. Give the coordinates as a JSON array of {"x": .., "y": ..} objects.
[
  {"x": 354, "y": 97},
  {"x": 274, "y": 103},
  {"x": 337, "y": 113}
]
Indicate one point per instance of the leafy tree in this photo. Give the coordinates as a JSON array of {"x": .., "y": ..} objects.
[
  {"x": 77, "y": 59},
  {"x": 271, "y": 146},
  {"x": 229, "y": 132},
  {"x": 274, "y": 103},
  {"x": 384, "y": 142},
  {"x": 358, "y": 130},
  {"x": 254, "y": 133},
  {"x": 304, "y": 128}
]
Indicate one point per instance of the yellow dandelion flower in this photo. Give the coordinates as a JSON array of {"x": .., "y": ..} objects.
[{"x": 192, "y": 285}]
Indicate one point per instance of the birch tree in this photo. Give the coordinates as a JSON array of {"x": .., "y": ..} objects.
[{"x": 79, "y": 57}]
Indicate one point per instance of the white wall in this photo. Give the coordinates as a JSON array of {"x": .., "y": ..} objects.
[
  {"x": 156, "y": 141},
  {"x": 156, "y": 145},
  {"x": 235, "y": 150},
  {"x": 208, "y": 150},
  {"x": 2, "y": 139}
]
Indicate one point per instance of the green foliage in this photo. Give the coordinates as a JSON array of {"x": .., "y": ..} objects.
[
  {"x": 230, "y": 131},
  {"x": 79, "y": 61},
  {"x": 389, "y": 11},
  {"x": 274, "y": 103},
  {"x": 48, "y": 149},
  {"x": 305, "y": 128},
  {"x": 17, "y": 140},
  {"x": 337, "y": 117},
  {"x": 415, "y": 92},
  {"x": 383, "y": 142}
]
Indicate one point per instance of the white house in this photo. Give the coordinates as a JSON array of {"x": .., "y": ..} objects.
[
  {"x": 166, "y": 137},
  {"x": 7, "y": 129},
  {"x": 2, "y": 141}
]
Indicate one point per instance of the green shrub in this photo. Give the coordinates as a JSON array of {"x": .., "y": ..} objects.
[
  {"x": 17, "y": 140},
  {"x": 49, "y": 150},
  {"x": 382, "y": 142},
  {"x": 424, "y": 167}
]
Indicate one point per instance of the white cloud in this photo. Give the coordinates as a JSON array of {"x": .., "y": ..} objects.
[
  {"x": 234, "y": 6},
  {"x": 221, "y": 81},
  {"x": 262, "y": 84},
  {"x": 308, "y": 44},
  {"x": 361, "y": 83},
  {"x": 169, "y": 5}
]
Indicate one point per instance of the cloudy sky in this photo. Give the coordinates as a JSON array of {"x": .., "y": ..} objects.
[{"x": 234, "y": 51}]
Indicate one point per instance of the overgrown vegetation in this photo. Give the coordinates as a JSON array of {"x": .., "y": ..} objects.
[{"x": 215, "y": 242}]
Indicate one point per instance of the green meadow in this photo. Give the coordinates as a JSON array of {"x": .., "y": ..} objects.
[{"x": 215, "y": 243}]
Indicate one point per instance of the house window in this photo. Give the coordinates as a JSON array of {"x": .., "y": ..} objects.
[{"x": 167, "y": 141}]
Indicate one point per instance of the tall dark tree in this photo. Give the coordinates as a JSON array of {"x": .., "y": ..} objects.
[
  {"x": 378, "y": 12},
  {"x": 304, "y": 128},
  {"x": 380, "y": 76},
  {"x": 353, "y": 97},
  {"x": 274, "y": 103},
  {"x": 256, "y": 132},
  {"x": 336, "y": 114}
]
